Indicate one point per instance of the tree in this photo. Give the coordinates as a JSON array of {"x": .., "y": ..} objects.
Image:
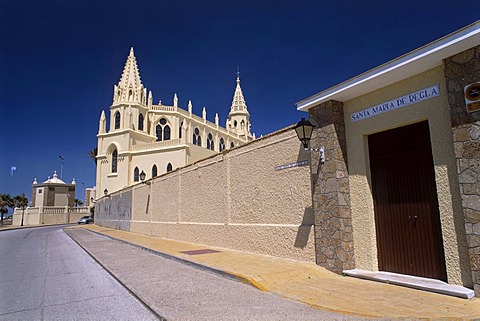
[
  {"x": 78, "y": 202},
  {"x": 93, "y": 154},
  {"x": 6, "y": 201},
  {"x": 20, "y": 201}
]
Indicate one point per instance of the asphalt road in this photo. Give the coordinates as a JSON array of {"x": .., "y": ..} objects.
[
  {"x": 44, "y": 275},
  {"x": 178, "y": 291}
]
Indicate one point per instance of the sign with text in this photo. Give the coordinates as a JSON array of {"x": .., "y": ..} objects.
[
  {"x": 300, "y": 163},
  {"x": 399, "y": 102}
]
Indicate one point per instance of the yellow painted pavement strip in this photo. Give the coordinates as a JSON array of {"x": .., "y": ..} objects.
[{"x": 312, "y": 284}]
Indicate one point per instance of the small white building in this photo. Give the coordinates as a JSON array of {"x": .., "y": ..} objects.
[
  {"x": 159, "y": 138},
  {"x": 53, "y": 202},
  {"x": 53, "y": 192}
]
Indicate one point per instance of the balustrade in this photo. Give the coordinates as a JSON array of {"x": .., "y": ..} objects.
[{"x": 154, "y": 145}]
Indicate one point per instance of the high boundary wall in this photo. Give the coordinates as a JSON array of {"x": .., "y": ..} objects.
[{"x": 238, "y": 199}]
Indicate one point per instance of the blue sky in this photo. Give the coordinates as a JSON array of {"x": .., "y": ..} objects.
[{"x": 59, "y": 61}]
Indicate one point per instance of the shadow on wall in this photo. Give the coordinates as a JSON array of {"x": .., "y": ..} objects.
[{"x": 303, "y": 233}]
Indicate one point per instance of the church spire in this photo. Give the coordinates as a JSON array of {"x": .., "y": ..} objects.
[
  {"x": 238, "y": 103},
  {"x": 130, "y": 88},
  {"x": 130, "y": 75},
  {"x": 239, "y": 118}
]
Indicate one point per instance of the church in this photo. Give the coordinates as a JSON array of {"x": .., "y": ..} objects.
[
  {"x": 147, "y": 140},
  {"x": 388, "y": 190}
]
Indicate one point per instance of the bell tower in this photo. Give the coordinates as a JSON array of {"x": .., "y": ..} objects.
[{"x": 129, "y": 106}]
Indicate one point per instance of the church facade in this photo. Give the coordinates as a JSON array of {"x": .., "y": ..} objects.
[{"x": 157, "y": 138}]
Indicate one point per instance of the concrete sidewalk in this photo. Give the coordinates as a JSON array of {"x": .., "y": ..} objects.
[{"x": 309, "y": 283}]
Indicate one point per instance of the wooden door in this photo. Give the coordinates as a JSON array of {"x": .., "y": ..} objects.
[{"x": 407, "y": 220}]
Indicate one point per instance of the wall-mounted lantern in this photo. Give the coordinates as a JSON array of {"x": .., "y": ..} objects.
[
  {"x": 304, "y": 130},
  {"x": 143, "y": 176},
  {"x": 105, "y": 192}
]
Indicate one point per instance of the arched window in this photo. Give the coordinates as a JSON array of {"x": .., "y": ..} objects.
[
  {"x": 140, "y": 122},
  {"x": 163, "y": 130},
  {"x": 114, "y": 161},
  {"x": 154, "y": 171},
  {"x": 197, "y": 140},
  {"x": 232, "y": 145},
  {"x": 222, "y": 145},
  {"x": 159, "y": 133},
  {"x": 117, "y": 120},
  {"x": 130, "y": 95},
  {"x": 166, "y": 132},
  {"x": 136, "y": 174},
  {"x": 210, "y": 144},
  {"x": 169, "y": 167},
  {"x": 180, "y": 130},
  {"x": 235, "y": 123}
]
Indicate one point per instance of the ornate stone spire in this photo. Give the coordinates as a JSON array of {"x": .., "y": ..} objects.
[
  {"x": 238, "y": 103},
  {"x": 130, "y": 88},
  {"x": 131, "y": 75},
  {"x": 239, "y": 119}
]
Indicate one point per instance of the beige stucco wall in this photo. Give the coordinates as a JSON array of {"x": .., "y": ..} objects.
[
  {"x": 30, "y": 217},
  {"x": 235, "y": 200},
  {"x": 55, "y": 215},
  {"x": 115, "y": 210},
  {"x": 54, "y": 218},
  {"x": 436, "y": 111}
]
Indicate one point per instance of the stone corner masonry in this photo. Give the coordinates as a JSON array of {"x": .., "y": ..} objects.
[
  {"x": 331, "y": 190},
  {"x": 461, "y": 70}
]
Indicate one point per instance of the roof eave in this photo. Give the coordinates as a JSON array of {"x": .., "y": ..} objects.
[{"x": 412, "y": 63}]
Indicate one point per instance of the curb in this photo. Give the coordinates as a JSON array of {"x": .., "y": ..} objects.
[
  {"x": 17, "y": 227},
  {"x": 142, "y": 300},
  {"x": 226, "y": 274}
]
